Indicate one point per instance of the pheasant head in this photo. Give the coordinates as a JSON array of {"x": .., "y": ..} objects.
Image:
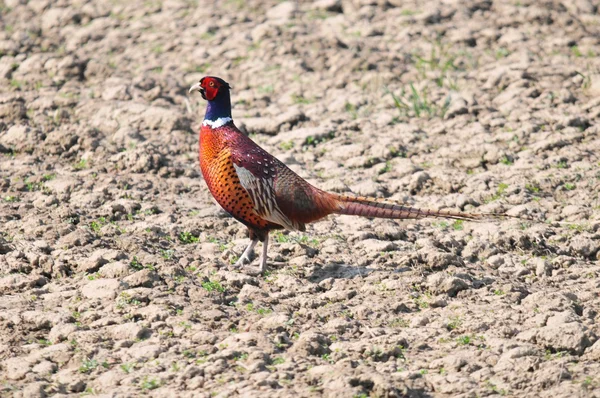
[{"x": 216, "y": 91}]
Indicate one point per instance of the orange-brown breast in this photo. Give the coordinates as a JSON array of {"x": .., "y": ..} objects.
[{"x": 222, "y": 180}]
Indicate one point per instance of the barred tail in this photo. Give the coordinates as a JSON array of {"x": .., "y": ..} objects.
[{"x": 370, "y": 207}]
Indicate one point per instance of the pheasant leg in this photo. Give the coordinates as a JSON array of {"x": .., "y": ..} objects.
[
  {"x": 263, "y": 258},
  {"x": 245, "y": 257}
]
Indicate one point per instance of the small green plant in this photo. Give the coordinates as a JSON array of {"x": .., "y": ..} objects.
[
  {"x": 81, "y": 165},
  {"x": 88, "y": 365},
  {"x": 241, "y": 357},
  {"x": 578, "y": 227},
  {"x": 458, "y": 225},
  {"x": 202, "y": 68},
  {"x": 327, "y": 357},
  {"x": 569, "y": 187},
  {"x": 561, "y": 165},
  {"x": 125, "y": 299},
  {"x": 300, "y": 99},
  {"x": 492, "y": 387},
  {"x": 287, "y": 145},
  {"x": 387, "y": 168},
  {"x": 189, "y": 354},
  {"x": 167, "y": 254},
  {"x": 16, "y": 84},
  {"x": 463, "y": 340},
  {"x": 502, "y": 53},
  {"x": 188, "y": 237},
  {"x": 127, "y": 368},
  {"x": 266, "y": 89},
  {"x": 277, "y": 361},
  {"x": 351, "y": 109},
  {"x": 588, "y": 383},
  {"x": 263, "y": 311},
  {"x": 149, "y": 384},
  {"x": 11, "y": 199},
  {"x": 502, "y": 187},
  {"x": 213, "y": 286},
  {"x": 97, "y": 225},
  {"x": 506, "y": 161},
  {"x": 281, "y": 237},
  {"x": 532, "y": 187},
  {"x": 454, "y": 323},
  {"x": 135, "y": 264},
  {"x": 400, "y": 323},
  {"x": 33, "y": 186},
  {"x": 418, "y": 103}
]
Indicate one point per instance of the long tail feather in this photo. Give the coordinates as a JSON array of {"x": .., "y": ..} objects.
[{"x": 370, "y": 207}]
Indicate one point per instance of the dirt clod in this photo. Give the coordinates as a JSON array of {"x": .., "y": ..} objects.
[{"x": 116, "y": 266}]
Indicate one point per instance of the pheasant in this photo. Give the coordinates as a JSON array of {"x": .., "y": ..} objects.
[{"x": 261, "y": 192}]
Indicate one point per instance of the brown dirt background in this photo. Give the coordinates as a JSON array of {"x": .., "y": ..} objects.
[{"x": 115, "y": 275}]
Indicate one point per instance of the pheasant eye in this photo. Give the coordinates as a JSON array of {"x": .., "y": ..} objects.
[{"x": 212, "y": 84}]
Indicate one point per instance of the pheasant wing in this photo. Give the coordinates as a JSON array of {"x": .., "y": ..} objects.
[{"x": 258, "y": 179}]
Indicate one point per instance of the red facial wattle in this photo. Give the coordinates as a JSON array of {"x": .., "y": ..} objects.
[{"x": 210, "y": 89}]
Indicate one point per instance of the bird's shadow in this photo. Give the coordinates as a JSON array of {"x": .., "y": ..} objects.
[{"x": 343, "y": 271}]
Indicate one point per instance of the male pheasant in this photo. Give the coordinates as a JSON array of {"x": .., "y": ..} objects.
[{"x": 263, "y": 193}]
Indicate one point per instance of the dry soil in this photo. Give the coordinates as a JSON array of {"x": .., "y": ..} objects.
[{"x": 115, "y": 263}]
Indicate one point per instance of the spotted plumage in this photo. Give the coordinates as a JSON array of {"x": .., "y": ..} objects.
[{"x": 263, "y": 193}]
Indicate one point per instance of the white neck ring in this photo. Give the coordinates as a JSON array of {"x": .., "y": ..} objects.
[{"x": 222, "y": 121}]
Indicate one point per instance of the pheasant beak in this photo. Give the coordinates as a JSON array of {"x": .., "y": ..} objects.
[{"x": 196, "y": 87}]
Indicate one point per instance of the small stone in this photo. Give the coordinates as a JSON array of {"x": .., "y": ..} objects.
[
  {"x": 376, "y": 246},
  {"x": 16, "y": 368},
  {"x": 328, "y": 5},
  {"x": 129, "y": 331},
  {"x": 101, "y": 289},
  {"x": 18, "y": 134},
  {"x": 35, "y": 390},
  {"x": 593, "y": 352},
  {"x": 282, "y": 12},
  {"x": 562, "y": 318},
  {"x": 237, "y": 279},
  {"x": 440, "y": 283},
  {"x": 94, "y": 262},
  {"x": 153, "y": 313},
  {"x": 422, "y": 320},
  {"x": 310, "y": 343},
  {"x": 585, "y": 247},
  {"x": 438, "y": 303},
  {"x": 61, "y": 332},
  {"x": 143, "y": 278},
  {"x": 204, "y": 337},
  {"x": 145, "y": 353},
  {"x": 116, "y": 93},
  {"x": 117, "y": 269},
  {"x": 495, "y": 261},
  {"x": 44, "y": 368},
  {"x": 458, "y": 106},
  {"x": 572, "y": 337},
  {"x": 418, "y": 180},
  {"x": 276, "y": 322},
  {"x": 542, "y": 267},
  {"x": 249, "y": 293},
  {"x": 127, "y": 136}
]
